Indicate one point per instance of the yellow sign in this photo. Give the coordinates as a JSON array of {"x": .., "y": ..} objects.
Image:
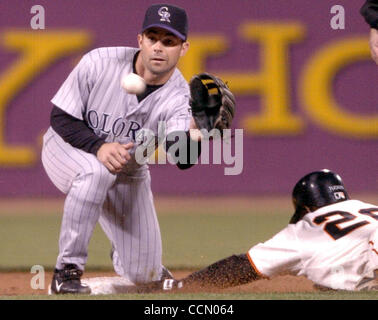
[{"x": 40, "y": 49}]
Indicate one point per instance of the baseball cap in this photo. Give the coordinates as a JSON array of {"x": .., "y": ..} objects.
[{"x": 168, "y": 17}]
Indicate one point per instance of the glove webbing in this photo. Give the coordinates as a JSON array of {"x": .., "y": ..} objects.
[{"x": 212, "y": 88}]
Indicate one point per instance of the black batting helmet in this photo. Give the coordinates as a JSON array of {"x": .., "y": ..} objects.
[{"x": 315, "y": 190}]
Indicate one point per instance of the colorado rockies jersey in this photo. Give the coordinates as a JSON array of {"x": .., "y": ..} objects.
[
  {"x": 335, "y": 246},
  {"x": 93, "y": 93}
]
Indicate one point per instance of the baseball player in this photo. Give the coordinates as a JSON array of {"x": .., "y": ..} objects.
[
  {"x": 370, "y": 13},
  {"x": 331, "y": 239},
  {"x": 89, "y": 151}
]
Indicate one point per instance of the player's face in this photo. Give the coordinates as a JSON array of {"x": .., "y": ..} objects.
[{"x": 161, "y": 50}]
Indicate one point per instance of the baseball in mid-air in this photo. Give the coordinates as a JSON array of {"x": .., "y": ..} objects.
[{"x": 133, "y": 83}]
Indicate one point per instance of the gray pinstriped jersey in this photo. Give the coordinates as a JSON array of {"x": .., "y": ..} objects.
[{"x": 93, "y": 93}]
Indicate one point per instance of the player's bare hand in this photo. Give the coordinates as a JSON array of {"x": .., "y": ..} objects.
[
  {"x": 114, "y": 155},
  {"x": 374, "y": 44}
]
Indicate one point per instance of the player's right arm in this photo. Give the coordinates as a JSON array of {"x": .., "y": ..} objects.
[
  {"x": 114, "y": 155},
  {"x": 68, "y": 122},
  {"x": 75, "y": 132}
]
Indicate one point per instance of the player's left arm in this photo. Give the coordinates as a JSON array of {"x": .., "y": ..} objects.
[
  {"x": 278, "y": 254},
  {"x": 212, "y": 104},
  {"x": 231, "y": 271},
  {"x": 178, "y": 142},
  {"x": 190, "y": 147}
]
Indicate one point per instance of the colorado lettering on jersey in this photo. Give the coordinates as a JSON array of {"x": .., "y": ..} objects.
[{"x": 118, "y": 127}]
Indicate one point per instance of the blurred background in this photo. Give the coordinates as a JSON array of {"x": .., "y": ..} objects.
[{"x": 306, "y": 92}]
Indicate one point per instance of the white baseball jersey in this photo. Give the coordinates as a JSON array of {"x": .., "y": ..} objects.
[
  {"x": 122, "y": 203},
  {"x": 335, "y": 246}
]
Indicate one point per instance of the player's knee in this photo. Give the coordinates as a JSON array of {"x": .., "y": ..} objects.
[
  {"x": 143, "y": 275},
  {"x": 101, "y": 176},
  {"x": 139, "y": 278},
  {"x": 95, "y": 175}
]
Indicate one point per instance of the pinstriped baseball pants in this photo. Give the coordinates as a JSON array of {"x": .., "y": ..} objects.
[{"x": 123, "y": 206}]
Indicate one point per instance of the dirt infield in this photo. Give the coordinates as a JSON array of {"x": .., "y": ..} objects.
[{"x": 19, "y": 283}]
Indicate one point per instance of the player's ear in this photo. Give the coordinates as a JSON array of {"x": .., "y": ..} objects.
[
  {"x": 139, "y": 39},
  {"x": 184, "y": 48}
]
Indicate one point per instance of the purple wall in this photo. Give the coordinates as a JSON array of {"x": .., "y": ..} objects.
[{"x": 272, "y": 163}]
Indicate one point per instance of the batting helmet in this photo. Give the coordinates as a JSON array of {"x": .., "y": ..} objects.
[{"x": 315, "y": 190}]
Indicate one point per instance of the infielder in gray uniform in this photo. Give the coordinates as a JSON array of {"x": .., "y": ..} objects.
[{"x": 89, "y": 149}]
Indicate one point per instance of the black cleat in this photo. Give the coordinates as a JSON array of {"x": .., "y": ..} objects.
[{"x": 67, "y": 280}]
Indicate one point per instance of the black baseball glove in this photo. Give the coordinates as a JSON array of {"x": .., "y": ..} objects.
[{"x": 212, "y": 102}]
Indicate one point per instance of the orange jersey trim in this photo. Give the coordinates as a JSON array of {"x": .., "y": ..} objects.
[{"x": 255, "y": 268}]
